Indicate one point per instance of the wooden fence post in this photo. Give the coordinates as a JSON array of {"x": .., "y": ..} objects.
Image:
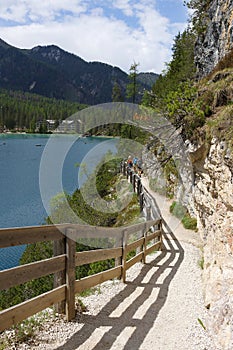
[
  {"x": 141, "y": 201},
  {"x": 144, "y": 246},
  {"x": 139, "y": 186},
  {"x": 119, "y": 243},
  {"x": 127, "y": 172},
  {"x": 160, "y": 227},
  {"x": 134, "y": 181},
  {"x": 148, "y": 213},
  {"x": 59, "y": 248},
  {"x": 124, "y": 168},
  {"x": 140, "y": 249},
  {"x": 124, "y": 254},
  {"x": 130, "y": 176},
  {"x": 70, "y": 278}
]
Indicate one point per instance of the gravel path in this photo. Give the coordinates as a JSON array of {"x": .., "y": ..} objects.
[{"x": 160, "y": 306}]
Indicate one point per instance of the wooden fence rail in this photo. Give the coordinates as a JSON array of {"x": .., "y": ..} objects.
[
  {"x": 63, "y": 265},
  {"x": 142, "y": 238},
  {"x": 147, "y": 202}
]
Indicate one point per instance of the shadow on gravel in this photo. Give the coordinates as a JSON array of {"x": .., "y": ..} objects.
[{"x": 128, "y": 329}]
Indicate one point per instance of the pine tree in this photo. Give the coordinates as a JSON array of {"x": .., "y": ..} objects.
[
  {"x": 181, "y": 68},
  {"x": 117, "y": 93},
  {"x": 132, "y": 87}
]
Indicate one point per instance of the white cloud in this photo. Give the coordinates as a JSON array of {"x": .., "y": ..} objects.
[
  {"x": 93, "y": 34},
  {"x": 9, "y": 10},
  {"x": 124, "y": 6},
  {"x": 34, "y": 10}
]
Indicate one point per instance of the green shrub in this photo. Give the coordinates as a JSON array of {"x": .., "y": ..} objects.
[
  {"x": 178, "y": 210},
  {"x": 181, "y": 212},
  {"x": 131, "y": 254},
  {"x": 189, "y": 222},
  {"x": 100, "y": 266}
]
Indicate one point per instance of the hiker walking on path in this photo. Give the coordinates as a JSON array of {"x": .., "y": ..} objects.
[{"x": 130, "y": 162}]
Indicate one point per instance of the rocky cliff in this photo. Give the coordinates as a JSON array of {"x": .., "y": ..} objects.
[
  {"x": 215, "y": 37},
  {"x": 212, "y": 161},
  {"x": 214, "y": 204},
  {"x": 213, "y": 190}
]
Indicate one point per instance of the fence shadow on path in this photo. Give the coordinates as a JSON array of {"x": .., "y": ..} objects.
[{"x": 125, "y": 321}]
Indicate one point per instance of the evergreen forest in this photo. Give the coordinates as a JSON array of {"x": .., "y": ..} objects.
[{"x": 21, "y": 111}]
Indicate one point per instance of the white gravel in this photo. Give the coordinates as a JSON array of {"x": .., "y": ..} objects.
[{"x": 158, "y": 308}]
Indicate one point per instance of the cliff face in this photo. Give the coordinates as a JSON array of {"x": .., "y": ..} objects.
[
  {"x": 214, "y": 204},
  {"x": 213, "y": 194},
  {"x": 216, "y": 38},
  {"x": 211, "y": 154}
]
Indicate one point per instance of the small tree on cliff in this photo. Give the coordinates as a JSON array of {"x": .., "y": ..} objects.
[{"x": 132, "y": 87}]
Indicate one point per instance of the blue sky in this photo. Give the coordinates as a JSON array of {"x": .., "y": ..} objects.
[{"x": 117, "y": 32}]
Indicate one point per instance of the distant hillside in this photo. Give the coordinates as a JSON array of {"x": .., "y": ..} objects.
[{"x": 53, "y": 72}]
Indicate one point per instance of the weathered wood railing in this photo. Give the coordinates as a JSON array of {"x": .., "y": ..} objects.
[
  {"x": 147, "y": 202},
  {"x": 135, "y": 180},
  {"x": 144, "y": 238}
]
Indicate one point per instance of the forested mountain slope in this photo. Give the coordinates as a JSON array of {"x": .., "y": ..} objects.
[{"x": 53, "y": 72}]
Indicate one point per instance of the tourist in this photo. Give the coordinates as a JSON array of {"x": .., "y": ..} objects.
[{"x": 130, "y": 162}]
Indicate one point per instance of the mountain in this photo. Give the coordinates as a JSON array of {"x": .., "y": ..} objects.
[{"x": 53, "y": 72}]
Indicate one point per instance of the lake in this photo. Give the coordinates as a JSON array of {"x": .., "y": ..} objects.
[{"x": 20, "y": 161}]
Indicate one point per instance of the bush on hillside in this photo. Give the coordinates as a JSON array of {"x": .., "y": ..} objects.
[{"x": 178, "y": 210}]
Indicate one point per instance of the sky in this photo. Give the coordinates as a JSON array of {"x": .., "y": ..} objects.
[{"x": 116, "y": 32}]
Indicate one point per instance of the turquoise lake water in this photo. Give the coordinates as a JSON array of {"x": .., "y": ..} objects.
[{"x": 20, "y": 159}]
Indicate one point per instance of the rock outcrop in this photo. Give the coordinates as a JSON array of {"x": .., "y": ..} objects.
[
  {"x": 215, "y": 39},
  {"x": 214, "y": 207}
]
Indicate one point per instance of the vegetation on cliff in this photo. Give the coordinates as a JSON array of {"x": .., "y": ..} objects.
[
  {"x": 199, "y": 15},
  {"x": 199, "y": 109},
  {"x": 216, "y": 92},
  {"x": 175, "y": 91}
]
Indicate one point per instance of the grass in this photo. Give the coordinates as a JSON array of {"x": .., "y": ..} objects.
[
  {"x": 202, "y": 324},
  {"x": 201, "y": 263},
  {"x": 90, "y": 291},
  {"x": 3, "y": 344},
  {"x": 81, "y": 306},
  {"x": 24, "y": 331}
]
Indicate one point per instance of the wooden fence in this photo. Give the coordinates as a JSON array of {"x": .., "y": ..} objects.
[
  {"x": 144, "y": 238},
  {"x": 147, "y": 202}
]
